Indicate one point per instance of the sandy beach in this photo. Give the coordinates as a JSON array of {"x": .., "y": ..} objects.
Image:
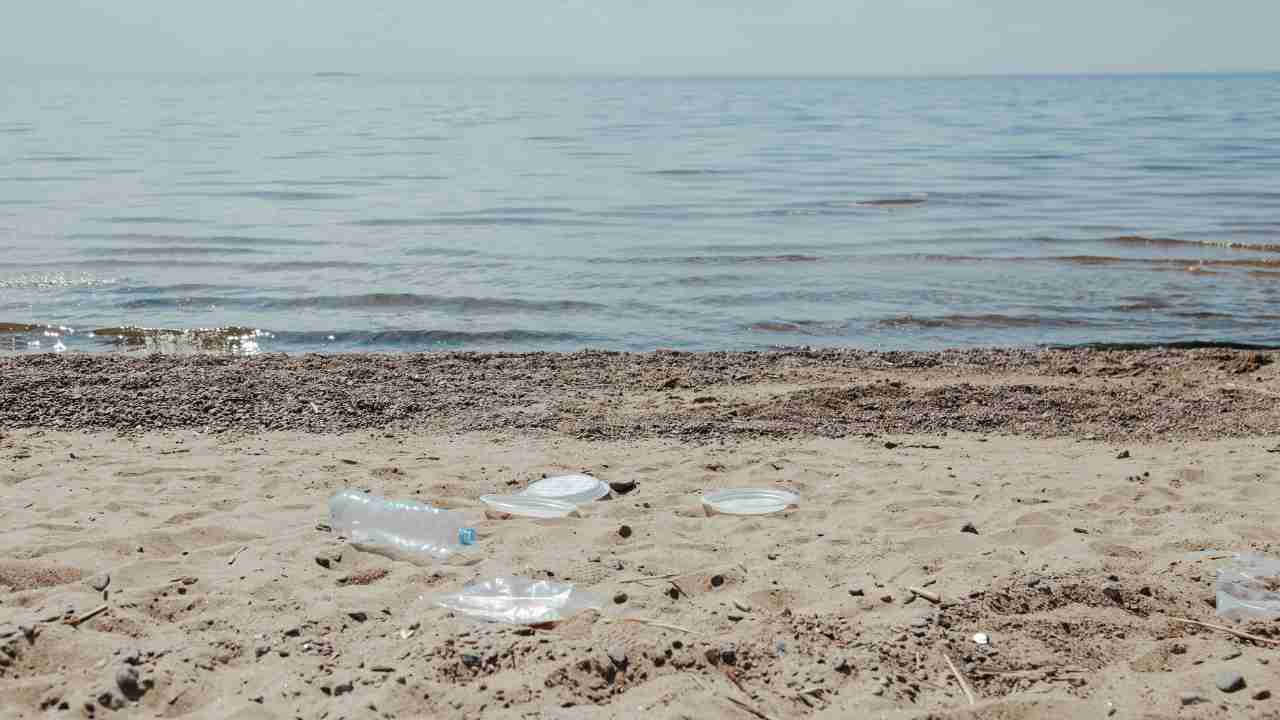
[{"x": 165, "y": 552}]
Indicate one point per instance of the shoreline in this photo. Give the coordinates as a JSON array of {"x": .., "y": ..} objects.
[{"x": 1111, "y": 394}]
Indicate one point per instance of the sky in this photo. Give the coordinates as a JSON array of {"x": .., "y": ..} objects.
[{"x": 644, "y": 37}]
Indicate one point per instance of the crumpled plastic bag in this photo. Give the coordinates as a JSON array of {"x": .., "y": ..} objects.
[
  {"x": 519, "y": 601},
  {"x": 1249, "y": 587}
]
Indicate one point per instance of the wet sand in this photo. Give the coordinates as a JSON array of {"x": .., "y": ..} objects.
[{"x": 1069, "y": 504}]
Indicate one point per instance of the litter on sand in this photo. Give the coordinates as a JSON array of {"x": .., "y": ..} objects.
[
  {"x": 748, "y": 501},
  {"x": 519, "y": 601}
]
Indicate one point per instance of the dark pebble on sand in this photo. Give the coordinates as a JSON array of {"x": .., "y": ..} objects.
[
  {"x": 717, "y": 580},
  {"x": 620, "y": 598},
  {"x": 625, "y": 531},
  {"x": 1124, "y": 455},
  {"x": 969, "y": 527}
]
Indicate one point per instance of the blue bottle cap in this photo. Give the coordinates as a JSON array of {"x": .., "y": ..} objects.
[{"x": 467, "y": 536}]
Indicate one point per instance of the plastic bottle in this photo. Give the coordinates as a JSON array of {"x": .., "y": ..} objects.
[{"x": 399, "y": 529}]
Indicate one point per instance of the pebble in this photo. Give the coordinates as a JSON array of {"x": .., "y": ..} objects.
[
  {"x": 856, "y": 591},
  {"x": 622, "y": 487},
  {"x": 981, "y": 638},
  {"x": 100, "y": 581},
  {"x": 129, "y": 684},
  {"x": 620, "y": 598},
  {"x": 744, "y": 607},
  {"x": 358, "y": 615},
  {"x": 1231, "y": 654},
  {"x": 1229, "y": 681},
  {"x": 261, "y": 650},
  {"x": 1113, "y": 592},
  {"x": 729, "y": 654},
  {"x": 1262, "y": 695},
  {"x": 717, "y": 580},
  {"x": 625, "y": 531},
  {"x": 1190, "y": 697},
  {"x": 969, "y": 527},
  {"x": 328, "y": 558},
  {"x": 1124, "y": 455},
  {"x": 842, "y": 666}
]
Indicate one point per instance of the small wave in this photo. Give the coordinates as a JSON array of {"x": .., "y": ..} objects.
[
  {"x": 553, "y": 138},
  {"x": 286, "y": 195},
  {"x": 239, "y": 241},
  {"x": 411, "y": 339},
  {"x": 801, "y": 327},
  {"x": 170, "y": 251},
  {"x": 59, "y": 158},
  {"x": 474, "y": 221},
  {"x": 458, "y": 304},
  {"x": 287, "y": 265},
  {"x": 152, "y": 220},
  {"x": 710, "y": 259},
  {"x": 895, "y": 202},
  {"x": 55, "y": 280},
  {"x": 990, "y": 320},
  {"x": 301, "y": 155},
  {"x": 1172, "y": 242},
  {"x": 691, "y": 172}
]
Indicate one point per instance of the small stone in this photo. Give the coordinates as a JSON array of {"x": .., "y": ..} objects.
[
  {"x": 717, "y": 580},
  {"x": 358, "y": 615},
  {"x": 618, "y": 656},
  {"x": 1263, "y": 694},
  {"x": 109, "y": 700},
  {"x": 729, "y": 654},
  {"x": 622, "y": 487},
  {"x": 620, "y": 598},
  {"x": 1124, "y": 455},
  {"x": 1113, "y": 592},
  {"x": 856, "y": 591},
  {"x": 471, "y": 661},
  {"x": 1033, "y": 581},
  {"x": 981, "y": 638},
  {"x": 329, "y": 558},
  {"x": 1190, "y": 697},
  {"x": 624, "y": 531},
  {"x": 293, "y": 632},
  {"x": 343, "y": 688},
  {"x": 743, "y": 606},
  {"x": 1231, "y": 654},
  {"x": 261, "y": 650},
  {"x": 969, "y": 527},
  {"x": 886, "y": 598},
  {"x": 889, "y": 445},
  {"x": 842, "y": 666},
  {"x": 130, "y": 685},
  {"x": 100, "y": 581},
  {"x": 1229, "y": 681}
]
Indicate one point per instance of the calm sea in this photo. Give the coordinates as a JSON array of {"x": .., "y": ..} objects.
[{"x": 340, "y": 212}]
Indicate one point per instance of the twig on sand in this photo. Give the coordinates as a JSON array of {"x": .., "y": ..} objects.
[
  {"x": 668, "y": 576},
  {"x": 1225, "y": 629},
  {"x": 1250, "y": 389},
  {"x": 655, "y": 623},
  {"x": 964, "y": 684},
  {"x": 749, "y": 708},
  {"x": 236, "y": 555},
  {"x": 932, "y": 597},
  {"x": 181, "y": 692},
  {"x": 814, "y": 692},
  {"x": 75, "y": 622}
]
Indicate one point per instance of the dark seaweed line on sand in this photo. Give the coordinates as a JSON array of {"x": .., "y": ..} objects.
[{"x": 1114, "y": 395}]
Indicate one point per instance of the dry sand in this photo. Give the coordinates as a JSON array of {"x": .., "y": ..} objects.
[{"x": 217, "y": 607}]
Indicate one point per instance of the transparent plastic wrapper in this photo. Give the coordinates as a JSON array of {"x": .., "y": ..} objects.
[
  {"x": 519, "y": 601},
  {"x": 1249, "y": 587},
  {"x": 399, "y": 529}
]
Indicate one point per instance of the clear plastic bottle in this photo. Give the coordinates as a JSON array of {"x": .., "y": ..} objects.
[{"x": 399, "y": 529}]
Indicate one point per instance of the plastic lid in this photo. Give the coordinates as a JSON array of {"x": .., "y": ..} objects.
[
  {"x": 527, "y": 506},
  {"x": 749, "y": 501},
  {"x": 577, "y": 489}
]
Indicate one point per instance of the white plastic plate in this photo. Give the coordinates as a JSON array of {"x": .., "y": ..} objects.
[
  {"x": 526, "y": 506},
  {"x": 576, "y": 489},
  {"x": 748, "y": 501}
]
